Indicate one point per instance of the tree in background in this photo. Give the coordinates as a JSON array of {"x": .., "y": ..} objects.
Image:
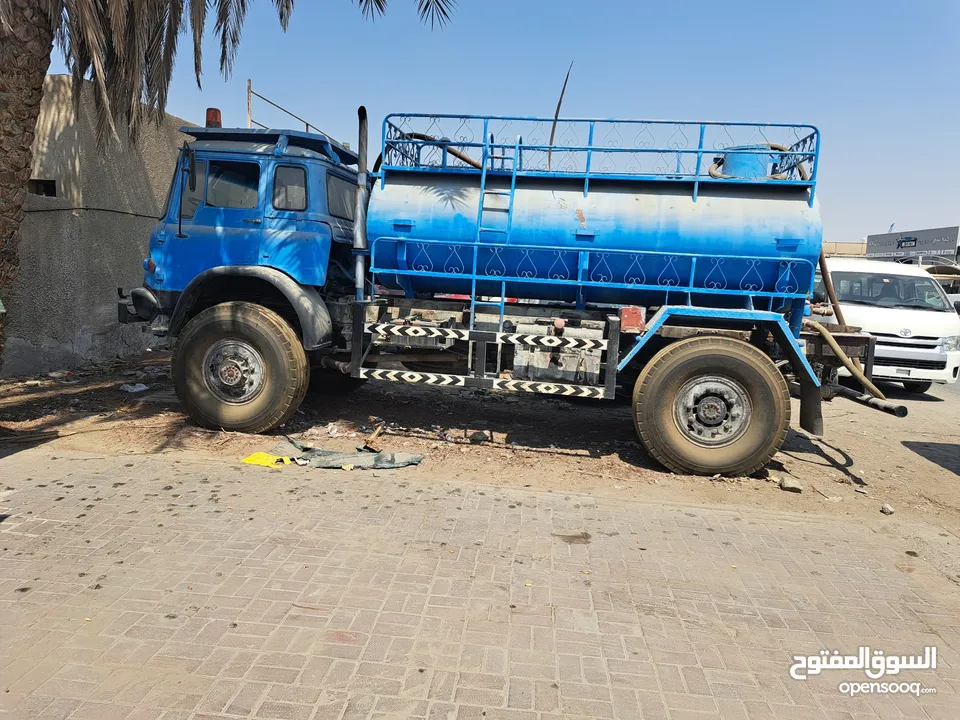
[{"x": 127, "y": 48}]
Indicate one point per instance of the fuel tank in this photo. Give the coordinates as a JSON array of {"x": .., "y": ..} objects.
[{"x": 624, "y": 242}]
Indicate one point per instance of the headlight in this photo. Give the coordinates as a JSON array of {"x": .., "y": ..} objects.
[{"x": 951, "y": 343}]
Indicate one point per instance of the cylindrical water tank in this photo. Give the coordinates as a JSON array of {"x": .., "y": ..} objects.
[{"x": 626, "y": 241}]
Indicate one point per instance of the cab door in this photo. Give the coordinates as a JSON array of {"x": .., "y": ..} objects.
[
  {"x": 295, "y": 239},
  {"x": 220, "y": 225}
]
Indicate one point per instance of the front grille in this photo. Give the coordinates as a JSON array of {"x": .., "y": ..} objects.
[{"x": 917, "y": 364}]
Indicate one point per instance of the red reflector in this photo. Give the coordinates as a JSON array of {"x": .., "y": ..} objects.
[
  {"x": 633, "y": 319},
  {"x": 150, "y": 264},
  {"x": 213, "y": 118}
]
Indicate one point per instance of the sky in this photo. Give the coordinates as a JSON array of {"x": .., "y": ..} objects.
[{"x": 880, "y": 79}]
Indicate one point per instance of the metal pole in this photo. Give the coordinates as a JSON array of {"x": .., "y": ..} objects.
[
  {"x": 249, "y": 105},
  {"x": 360, "y": 247}
]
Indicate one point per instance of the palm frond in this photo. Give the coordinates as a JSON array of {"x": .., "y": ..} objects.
[
  {"x": 128, "y": 48},
  {"x": 436, "y": 12}
]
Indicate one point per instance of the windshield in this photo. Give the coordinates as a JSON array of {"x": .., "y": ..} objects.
[{"x": 883, "y": 290}]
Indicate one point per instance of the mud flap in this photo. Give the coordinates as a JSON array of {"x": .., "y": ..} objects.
[{"x": 811, "y": 410}]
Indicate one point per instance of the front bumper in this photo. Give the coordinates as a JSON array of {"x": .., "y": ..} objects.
[{"x": 934, "y": 367}]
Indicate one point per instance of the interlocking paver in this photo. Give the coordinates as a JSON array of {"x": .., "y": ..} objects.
[{"x": 315, "y": 595}]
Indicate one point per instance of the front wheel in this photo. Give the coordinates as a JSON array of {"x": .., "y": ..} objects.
[
  {"x": 239, "y": 366},
  {"x": 917, "y": 386},
  {"x": 709, "y": 405}
]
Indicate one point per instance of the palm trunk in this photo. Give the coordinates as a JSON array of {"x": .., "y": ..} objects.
[{"x": 25, "y": 48}]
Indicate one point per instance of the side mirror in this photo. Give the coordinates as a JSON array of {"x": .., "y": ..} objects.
[
  {"x": 192, "y": 170},
  {"x": 819, "y": 296},
  {"x": 956, "y": 306}
]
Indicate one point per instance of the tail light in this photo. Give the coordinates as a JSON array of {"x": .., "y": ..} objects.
[{"x": 149, "y": 265}]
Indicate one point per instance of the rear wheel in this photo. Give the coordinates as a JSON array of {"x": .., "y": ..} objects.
[
  {"x": 917, "y": 386},
  {"x": 710, "y": 405},
  {"x": 239, "y": 366}
]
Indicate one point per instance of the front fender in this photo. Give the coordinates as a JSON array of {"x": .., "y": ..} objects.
[{"x": 306, "y": 301}]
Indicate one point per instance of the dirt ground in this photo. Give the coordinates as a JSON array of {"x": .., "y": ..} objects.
[{"x": 866, "y": 458}]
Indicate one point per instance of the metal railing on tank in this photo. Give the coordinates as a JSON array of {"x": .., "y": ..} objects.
[{"x": 658, "y": 150}]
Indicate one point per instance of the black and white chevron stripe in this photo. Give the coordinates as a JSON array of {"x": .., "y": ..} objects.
[
  {"x": 583, "y": 391},
  {"x": 543, "y": 341},
  {"x": 422, "y": 331},
  {"x": 437, "y": 379},
  {"x": 553, "y": 341}
]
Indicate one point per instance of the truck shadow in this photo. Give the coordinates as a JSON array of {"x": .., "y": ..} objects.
[
  {"x": 946, "y": 455},
  {"x": 816, "y": 451},
  {"x": 535, "y": 423}
]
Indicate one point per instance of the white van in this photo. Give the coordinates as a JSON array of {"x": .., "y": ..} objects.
[{"x": 916, "y": 326}]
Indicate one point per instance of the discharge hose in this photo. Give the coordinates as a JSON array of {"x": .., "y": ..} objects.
[{"x": 842, "y": 356}]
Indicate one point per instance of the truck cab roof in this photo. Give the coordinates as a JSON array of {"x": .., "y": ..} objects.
[{"x": 272, "y": 142}]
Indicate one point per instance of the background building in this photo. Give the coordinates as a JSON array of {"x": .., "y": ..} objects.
[
  {"x": 933, "y": 242},
  {"x": 88, "y": 220}
]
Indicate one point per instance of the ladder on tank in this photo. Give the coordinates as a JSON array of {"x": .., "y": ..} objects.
[{"x": 482, "y": 211}]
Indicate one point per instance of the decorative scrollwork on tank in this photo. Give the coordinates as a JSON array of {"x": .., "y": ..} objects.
[
  {"x": 422, "y": 262},
  {"x": 715, "y": 279},
  {"x": 559, "y": 269},
  {"x": 787, "y": 281},
  {"x": 635, "y": 274},
  {"x": 454, "y": 263},
  {"x": 602, "y": 272},
  {"x": 669, "y": 277},
  {"x": 752, "y": 281}
]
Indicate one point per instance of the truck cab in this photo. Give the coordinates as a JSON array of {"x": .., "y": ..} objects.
[{"x": 247, "y": 204}]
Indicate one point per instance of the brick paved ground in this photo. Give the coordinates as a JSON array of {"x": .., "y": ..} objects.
[{"x": 148, "y": 588}]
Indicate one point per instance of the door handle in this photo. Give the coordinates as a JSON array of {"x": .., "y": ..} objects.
[{"x": 255, "y": 221}]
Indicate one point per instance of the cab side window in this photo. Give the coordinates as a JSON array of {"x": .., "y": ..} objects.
[
  {"x": 341, "y": 197},
  {"x": 192, "y": 200},
  {"x": 232, "y": 184},
  {"x": 290, "y": 188}
]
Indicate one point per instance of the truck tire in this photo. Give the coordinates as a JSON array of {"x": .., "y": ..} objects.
[
  {"x": 917, "y": 386},
  {"x": 709, "y": 405},
  {"x": 239, "y": 366}
]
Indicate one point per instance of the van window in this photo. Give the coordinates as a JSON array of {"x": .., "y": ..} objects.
[
  {"x": 883, "y": 290},
  {"x": 290, "y": 188},
  {"x": 192, "y": 200},
  {"x": 341, "y": 197},
  {"x": 232, "y": 184}
]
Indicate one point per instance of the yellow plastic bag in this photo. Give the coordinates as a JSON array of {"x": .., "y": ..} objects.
[{"x": 267, "y": 460}]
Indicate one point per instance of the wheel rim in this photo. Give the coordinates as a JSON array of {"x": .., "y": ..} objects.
[
  {"x": 233, "y": 371},
  {"x": 712, "y": 411}
]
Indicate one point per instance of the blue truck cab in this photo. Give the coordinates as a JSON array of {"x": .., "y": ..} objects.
[{"x": 665, "y": 261}]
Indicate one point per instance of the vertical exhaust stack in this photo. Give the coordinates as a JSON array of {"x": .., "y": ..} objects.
[{"x": 360, "y": 215}]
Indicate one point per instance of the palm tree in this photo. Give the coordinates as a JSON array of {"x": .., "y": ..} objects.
[{"x": 127, "y": 48}]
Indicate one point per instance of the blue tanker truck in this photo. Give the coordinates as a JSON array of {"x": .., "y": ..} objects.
[{"x": 668, "y": 262}]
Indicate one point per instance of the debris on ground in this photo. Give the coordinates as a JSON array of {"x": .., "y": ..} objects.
[
  {"x": 371, "y": 443},
  {"x": 790, "y": 484},
  {"x": 267, "y": 460},
  {"x": 135, "y": 388},
  {"x": 294, "y": 452},
  {"x": 862, "y": 491},
  {"x": 886, "y": 509}
]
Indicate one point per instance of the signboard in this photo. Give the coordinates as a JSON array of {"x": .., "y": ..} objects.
[{"x": 934, "y": 241}]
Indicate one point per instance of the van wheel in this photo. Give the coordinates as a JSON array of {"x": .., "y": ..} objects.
[
  {"x": 917, "y": 386},
  {"x": 710, "y": 405},
  {"x": 239, "y": 366}
]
